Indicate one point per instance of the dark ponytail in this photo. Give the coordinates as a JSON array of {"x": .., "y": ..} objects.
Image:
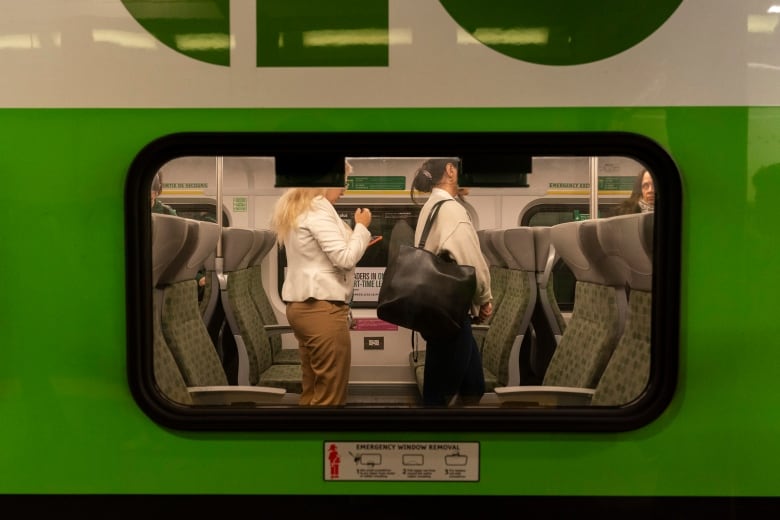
[{"x": 429, "y": 175}]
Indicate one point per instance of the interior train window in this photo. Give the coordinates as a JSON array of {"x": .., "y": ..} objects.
[
  {"x": 549, "y": 211},
  {"x": 579, "y": 233}
]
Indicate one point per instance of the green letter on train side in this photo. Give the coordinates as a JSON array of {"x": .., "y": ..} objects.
[
  {"x": 355, "y": 33},
  {"x": 290, "y": 33},
  {"x": 560, "y": 32}
]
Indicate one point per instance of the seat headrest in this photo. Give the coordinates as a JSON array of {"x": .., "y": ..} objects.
[
  {"x": 208, "y": 236},
  {"x": 622, "y": 237},
  {"x": 610, "y": 268},
  {"x": 264, "y": 242},
  {"x": 578, "y": 245},
  {"x": 519, "y": 245},
  {"x": 565, "y": 239},
  {"x": 169, "y": 234},
  {"x": 176, "y": 271},
  {"x": 237, "y": 243},
  {"x": 486, "y": 244}
]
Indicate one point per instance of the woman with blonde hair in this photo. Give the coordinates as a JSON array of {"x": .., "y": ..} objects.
[{"x": 322, "y": 252}]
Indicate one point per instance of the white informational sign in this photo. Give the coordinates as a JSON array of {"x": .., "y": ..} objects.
[
  {"x": 401, "y": 461},
  {"x": 368, "y": 281}
]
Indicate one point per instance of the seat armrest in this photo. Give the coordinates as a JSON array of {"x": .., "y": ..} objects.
[
  {"x": 277, "y": 330},
  {"x": 229, "y": 394},
  {"x": 479, "y": 331},
  {"x": 533, "y": 395}
]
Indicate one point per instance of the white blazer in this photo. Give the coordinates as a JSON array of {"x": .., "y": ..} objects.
[{"x": 322, "y": 252}]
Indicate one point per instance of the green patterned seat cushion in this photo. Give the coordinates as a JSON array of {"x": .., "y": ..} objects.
[
  {"x": 187, "y": 336},
  {"x": 282, "y": 376},
  {"x": 166, "y": 371},
  {"x": 590, "y": 338},
  {"x": 628, "y": 371}
]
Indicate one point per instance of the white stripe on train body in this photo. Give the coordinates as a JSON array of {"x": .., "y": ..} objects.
[{"x": 728, "y": 59}]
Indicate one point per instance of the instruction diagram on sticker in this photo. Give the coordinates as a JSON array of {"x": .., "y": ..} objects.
[{"x": 401, "y": 461}]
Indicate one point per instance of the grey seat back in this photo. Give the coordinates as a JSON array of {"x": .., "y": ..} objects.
[
  {"x": 169, "y": 234},
  {"x": 501, "y": 357},
  {"x": 239, "y": 247},
  {"x": 629, "y": 238},
  {"x": 237, "y": 244},
  {"x": 599, "y": 307},
  {"x": 182, "y": 323},
  {"x": 496, "y": 267},
  {"x": 266, "y": 239}
]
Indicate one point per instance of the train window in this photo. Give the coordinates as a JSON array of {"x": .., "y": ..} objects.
[
  {"x": 573, "y": 244},
  {"x": 549, "y": 212}
]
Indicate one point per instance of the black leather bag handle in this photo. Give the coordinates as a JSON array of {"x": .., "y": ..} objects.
[{"x": 429, "y": 222}]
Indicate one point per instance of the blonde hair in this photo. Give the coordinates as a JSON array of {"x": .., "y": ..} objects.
[{"x": 289, "y": 207}]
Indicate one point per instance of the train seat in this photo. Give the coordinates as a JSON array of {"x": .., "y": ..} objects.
[
  {"x": 502, "y": 348},
  {"x": 497, "y": 268},
  {"x": 236, "y": 246},
  {"x": 183, "y": 352},
  {"x": 622, "y": 242},
  {"x": 182, "y": 323},
  {"x": 266, "y": 239},
  {"x": 255, "y": 361},
  {"x": 629, "y": 237},
  {"x": 547, "y": 321},
  {"x": 169, "y": 235},
  {"x": 599, "y": 311}
]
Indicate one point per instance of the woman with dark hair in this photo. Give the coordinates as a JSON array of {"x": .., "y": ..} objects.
[
  {"x": 453, "y": 366},
  {"x": 642, "y": 199}
]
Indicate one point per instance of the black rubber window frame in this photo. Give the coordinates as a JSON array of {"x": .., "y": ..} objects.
[{"x": 666, "y": 282}]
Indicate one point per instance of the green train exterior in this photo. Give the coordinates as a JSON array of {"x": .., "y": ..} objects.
[{"x": 70, "y": 424}]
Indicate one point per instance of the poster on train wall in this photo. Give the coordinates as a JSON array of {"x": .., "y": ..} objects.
[{"x": 368, "y": 281}]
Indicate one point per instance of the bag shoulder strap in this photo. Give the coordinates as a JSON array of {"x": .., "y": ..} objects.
[{"x": 429, "y": 222}]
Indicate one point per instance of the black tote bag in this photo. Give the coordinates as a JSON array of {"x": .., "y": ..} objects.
[{"x": 425, "y": 292}]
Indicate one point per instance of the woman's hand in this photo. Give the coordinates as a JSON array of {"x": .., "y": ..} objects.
[
  {"x": 363, "y": 216},
  {"x": 485, "y": 310}
]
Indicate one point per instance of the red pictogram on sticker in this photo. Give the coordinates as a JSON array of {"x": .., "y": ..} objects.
[{"x": 334, "y": 459}]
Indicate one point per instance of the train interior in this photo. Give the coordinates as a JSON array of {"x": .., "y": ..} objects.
[{"x": 572, "y": 291}]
